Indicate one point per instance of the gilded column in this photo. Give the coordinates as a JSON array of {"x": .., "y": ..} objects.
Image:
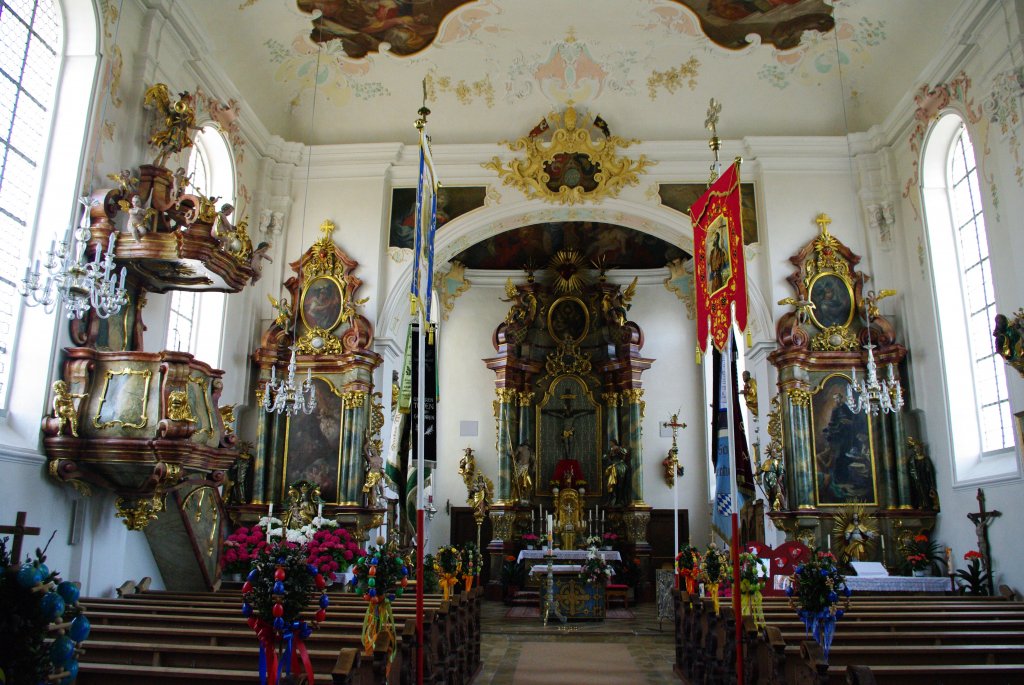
[
  {"x": 632, "y": 440},
  {"x": 504, "y": 414},
  {"x": 801, "y": 458},
  {"x": 351, "y": 462}
]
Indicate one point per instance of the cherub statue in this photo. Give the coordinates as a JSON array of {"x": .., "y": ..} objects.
[
  {"x": 803, "y": 308},
  {"x": 256, "y": 260},
  {"x": 126, "y": 181},
  {"x": 140, "y": 214},
  {"x": 180, "y": 182},
  {"x": 64, "y": 407},
  {"x": 223, "y": 231},
  {"x": 615, "y": 304},
  {"x": 179, "y": 121},
  {"x": 524, "y": 306}
]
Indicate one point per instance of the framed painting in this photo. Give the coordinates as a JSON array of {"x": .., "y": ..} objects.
[
  {"x": 719, "y": 264},
  {"x": 313, "y": 443},
  {"x": 322, "y": 303},
  {"x": 680, "y": 196},
  {"x": 568, "y": 319},
  {"x": 452, "y": 202},
  {"x": 844, "y": 455},
  {"x": 833, "y": 300}
]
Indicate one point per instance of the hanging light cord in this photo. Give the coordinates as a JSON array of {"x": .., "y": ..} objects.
[{"x": 309, "y": 165}]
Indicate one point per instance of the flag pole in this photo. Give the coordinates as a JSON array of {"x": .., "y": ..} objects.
[{"x": 733, "y": 500}]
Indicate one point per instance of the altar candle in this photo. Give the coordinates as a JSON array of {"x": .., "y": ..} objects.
[
  {"x": 549, "y": 532},
  {"x": 949, "y": 560},
  {"x": 270, "y": 511},
  {"x": 320, "y": 510}
]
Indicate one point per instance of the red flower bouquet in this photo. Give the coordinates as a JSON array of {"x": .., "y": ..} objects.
[
  {"x": 241, "y": 548},
  {"x": 332, "y": 550}
]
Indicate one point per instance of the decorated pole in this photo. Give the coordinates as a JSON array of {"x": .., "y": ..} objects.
[{"x": 721, "y": 297}]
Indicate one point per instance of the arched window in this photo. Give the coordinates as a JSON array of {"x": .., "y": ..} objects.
[
  {"x": 975, "y": 377},
  {"x": 212, "y": 173},
  {"x": 31, "y": 47}
]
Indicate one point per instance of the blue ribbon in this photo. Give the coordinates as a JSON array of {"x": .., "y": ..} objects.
[{"x": 263, "y": 665}]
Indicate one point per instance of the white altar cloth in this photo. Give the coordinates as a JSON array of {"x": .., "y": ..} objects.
[
  {"x": 898, "y": 584},
  {"x": 562, "y": 555},
  {"x": 541, "y": 569}
]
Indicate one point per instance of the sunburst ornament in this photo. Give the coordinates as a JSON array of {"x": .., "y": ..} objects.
[{"x": 568, "y": 267}]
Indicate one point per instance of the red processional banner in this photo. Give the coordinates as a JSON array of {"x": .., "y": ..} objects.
[{"x": 719, "y": 272}]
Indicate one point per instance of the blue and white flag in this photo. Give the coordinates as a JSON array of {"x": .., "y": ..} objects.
[
  {"x": 426, "y": 228},
  {"x": 725, "y": 392}
]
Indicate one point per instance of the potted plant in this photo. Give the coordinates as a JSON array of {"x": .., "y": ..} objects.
[
  {"x": 609, "y": 540},
  {"x": 530, "y": 540},
  {"x": 972, "y": 580},
  {"x": 332, "y": 551},
  {"x": 595, "y": 569},
  {"x": 240, "y": 549},
  {"x": 920, "y": 554}
]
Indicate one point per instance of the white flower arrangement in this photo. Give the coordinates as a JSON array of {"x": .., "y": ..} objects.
[{"x": 593, "y": 542}]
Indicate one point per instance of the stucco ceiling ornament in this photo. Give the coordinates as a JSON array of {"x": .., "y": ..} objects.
[{"x": 565, "y": 164}]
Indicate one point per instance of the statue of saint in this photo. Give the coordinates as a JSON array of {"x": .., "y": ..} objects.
[
  {"x": 373, "y": 487},
  {"x": 857, "y": 537},
  {"x": 617, "y": 480},
  {"x": 749, "y": 392},
  {"x": 522, "y": 482},
  {"x": 922, "y": 476}
]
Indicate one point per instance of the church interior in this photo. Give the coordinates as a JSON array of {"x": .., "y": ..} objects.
[{"x": 222, "y": 237}]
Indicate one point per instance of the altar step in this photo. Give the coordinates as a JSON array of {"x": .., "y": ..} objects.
[{"x": 529, "y": 598}]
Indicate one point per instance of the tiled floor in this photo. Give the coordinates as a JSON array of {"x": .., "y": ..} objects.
[{"x": 649, "y": 644}]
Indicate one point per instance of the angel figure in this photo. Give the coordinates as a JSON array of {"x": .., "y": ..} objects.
[
  {"x": 524, "y": 305},
  {"x": 179, "y": 121},
  {"x": 803, "y": 308},
  {"x": 284, "y": 312},
  {"x": 180, "y": 181},
  {"x": 140, "y": 214},
  {"x": 256, "y": 260},
  {"x": 615, "y": 304},
  {"x": 223, "y": 231},
  {"x": 871, "y": 301},
  {"x": 126, "y": 181},
  {"x": 64, "y": 407}
]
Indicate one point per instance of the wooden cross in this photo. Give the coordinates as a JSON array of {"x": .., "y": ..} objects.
[
  {"x": 18, "y": 530},
  {"x": 981, "y": 521}
]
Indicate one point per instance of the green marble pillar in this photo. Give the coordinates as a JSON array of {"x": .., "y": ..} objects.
[
  {"x": 801, "y": 458},
  {"x": 505, "y": 403},
  {"x": 611, "y": 416},
  {"x": 632, "y": 440},
  {"x": 350, "y": 464},
  {"x": 885, "y": 465},
  {"x": 902, "y": 461},
  {"x": 259, "y": 459},
  {"x": 526, "y": 419}
]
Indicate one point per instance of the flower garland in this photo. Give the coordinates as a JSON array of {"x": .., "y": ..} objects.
[
  {"x": 816, "y": 592},
  {"x": 275, "y": 594},
  {"x": 688, "y": 566},
  {"x": 472, "y": 560},
  {"x": 448, "y": 564},
  {"x": 37, "y": 605},
  {"x": 714, "y": 567},
  {"x": 380, "y": 576},
  {"x": 752, "y": 574}
]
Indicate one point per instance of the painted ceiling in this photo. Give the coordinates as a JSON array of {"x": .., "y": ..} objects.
[{"x": 492, "y": 68}]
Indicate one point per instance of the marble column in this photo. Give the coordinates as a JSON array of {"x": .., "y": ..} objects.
[
  {"x": 632, "y": 439},
  {"x": 350, "y": 466},
  {"x": 902, "y": 460},
  {"x": 258, "y": 468},
  {"x": 611, "y": 416},
  {"x": 526, "y": 435},
  {"x": 504, "y": 413},
  {"x": 801, "y": 460}
]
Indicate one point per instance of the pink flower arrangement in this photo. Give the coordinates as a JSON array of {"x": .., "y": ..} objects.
[
  {"x": 333, "y": 551},
  {"x": 241, "y": 548}
]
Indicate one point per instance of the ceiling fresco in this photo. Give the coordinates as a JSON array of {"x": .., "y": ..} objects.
[
  {"x": 620, "y": 247},
  {"x": 490, "y": 65}
]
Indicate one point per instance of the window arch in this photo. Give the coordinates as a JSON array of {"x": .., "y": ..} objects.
[
  {"x": 212, "y": 173},
  {"x": 31, "y": 51},
  {"x": 980, "y": 425}
]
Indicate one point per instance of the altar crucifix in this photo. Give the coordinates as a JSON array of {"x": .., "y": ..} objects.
[
  {"x": 981, "y": 520},
  {"x": 19, "y": 530},
  {"x": 568, "y": 470}
]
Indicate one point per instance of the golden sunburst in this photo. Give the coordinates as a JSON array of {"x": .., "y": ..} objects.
[{"x": 568, "y": 267}]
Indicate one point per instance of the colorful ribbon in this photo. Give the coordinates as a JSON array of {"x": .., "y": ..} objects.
[
  {"x": 447, "y": 582},
  {"x": 379, "y": 621},
  {"x": 753, "y": 605},
  {"x": 713, "y": 591}
]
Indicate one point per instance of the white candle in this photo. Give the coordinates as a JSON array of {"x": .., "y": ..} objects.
[
  {"x": 320, "y": 510},
  {"x": 270, "y": 511}
]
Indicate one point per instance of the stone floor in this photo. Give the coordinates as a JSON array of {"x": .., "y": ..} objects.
[{"x": 649, "y": 643}]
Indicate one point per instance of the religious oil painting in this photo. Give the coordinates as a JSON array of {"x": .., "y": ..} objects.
[
  {"x": 321, "y": 304},
  {"x": 843, "y": 452},
  {"x": 532, "y": 246},
  {"x": 568, "y": 319},
  {"x": 451, "y": 203},
  {"x": 681, "y": 196},
  {"x": 833, "y": 300},
  {"x": 777, "y": 22},
  {"x": 568, "y": 435},
  {"x": 313, "y": 443},
  {"x": 404, "y": 27},
  {"x": 716, "y": 253}
]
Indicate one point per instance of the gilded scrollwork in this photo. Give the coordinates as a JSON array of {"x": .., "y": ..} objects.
[
  {"x": 569, "y": 145},
  {"x": 799, "y": 397},
  {"x": 506, "y": 395},
  {"x": 612, "y": 399},
  {"x": 318, "y": 341},
  {"x": 203, "y": 384},
  {"x": 139, "y": 513},
  {"x": 178, "y": 407},
  {"x": 353, "y": 399},
  {"x": 835, "y": 339},
  {"x": 525, "y": 398},
  {"x": 567, "y": 359}
]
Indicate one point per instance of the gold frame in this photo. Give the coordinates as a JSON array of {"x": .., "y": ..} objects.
[
  {"x": 203, "y": 384},
  {"x": 538, "y": 416},
  {"x": 148, "y": 374},
  {"x": 586, "y": 316},
  {"x": 341, "y": 301},
  {"x": 849, "y": 291},
  {"x": 814, "y": 448},
  {"x": 530, "y": 178},
  {"x": 287, "y": 440}
]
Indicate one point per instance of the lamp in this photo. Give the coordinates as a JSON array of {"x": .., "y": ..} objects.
[
  {"x": 871, "y": 394},
  {"x": 81, "y": 285},
  {"x": 290, "y": 398}
]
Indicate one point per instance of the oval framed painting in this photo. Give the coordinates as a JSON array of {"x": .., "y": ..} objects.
[
  {"x": 322, "y": 303},
  {"x": 568, "y": 318},
  {"x": 833, "y": 300}
]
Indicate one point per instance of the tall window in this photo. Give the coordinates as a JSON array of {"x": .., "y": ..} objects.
[
  {"x": 974, "y": 377},
  {"x": 978, "y": 296},
  {"x": 30, "y": 51},
  {"x": 196, "y": 320}
]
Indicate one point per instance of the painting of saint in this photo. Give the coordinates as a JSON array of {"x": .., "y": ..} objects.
[
  {"x": 313, "y": 447},
  {"x": 716, "y": 255},
  {"x": 451, "y": 203},
  {"x": 322, "y": 303},
  {"x": 843, "y": 464},
  {"x": 832, "y": 300},
  {"x": 681, "y": 196}
]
